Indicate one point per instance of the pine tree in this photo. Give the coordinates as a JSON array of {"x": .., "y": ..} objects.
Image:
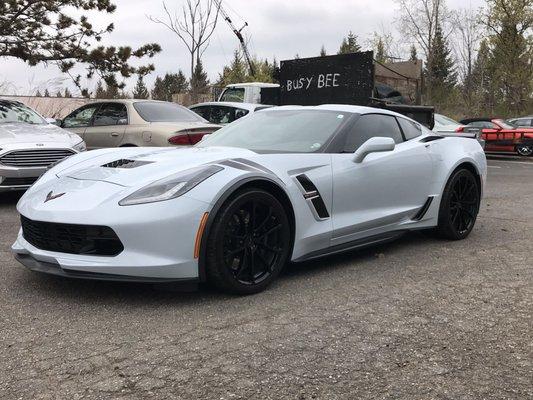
[
  {"x": 380, "y": 55},
  {"x": 482, "y": 81},
  {"x": 440, "y": 69},
  {"x": 170, "y": 84},
  {"x": 349, "y": 44},
  {"x": 46, "y": 93},
  {"x": 38, "y": 93},
  {"x": 414, "y": 54},
  {"x": 323, "y": 52},
  {"x": 67, "y": 93},
  {"x": 100, "y": 92},
  {"x": 140, "y": 91},
  {"x": 199, "y": 83},
  {"x": 59, "y": 94}
]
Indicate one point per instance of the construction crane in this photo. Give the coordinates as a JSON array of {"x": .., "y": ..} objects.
[{"x": 238, "y": 33}]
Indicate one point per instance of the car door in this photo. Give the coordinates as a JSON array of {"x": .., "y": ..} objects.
[
  {"x": 386, "y": 188},
  {"x": 107, "y": 127},
  {"x": 78, "y": 120}
]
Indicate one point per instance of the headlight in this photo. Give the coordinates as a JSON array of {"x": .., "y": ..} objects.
[
  {"x": 171, "y": 187},
  {"x": 81, "y": 146}
]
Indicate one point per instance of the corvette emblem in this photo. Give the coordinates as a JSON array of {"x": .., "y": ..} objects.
[{"x": 52, "y": 196}]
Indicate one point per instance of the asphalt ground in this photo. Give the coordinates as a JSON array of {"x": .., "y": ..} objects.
[{"x": 419, "y": 318}]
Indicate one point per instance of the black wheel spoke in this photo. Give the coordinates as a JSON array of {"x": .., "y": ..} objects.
[{"x": 254, "y": 239}]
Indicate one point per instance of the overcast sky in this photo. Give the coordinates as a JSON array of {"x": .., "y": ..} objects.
[{"x": 280, "y": 28}]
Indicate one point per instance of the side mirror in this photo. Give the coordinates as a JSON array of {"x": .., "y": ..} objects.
[
  {"x": 53, "y": 121},
  {"x": 373, "y": 145}
]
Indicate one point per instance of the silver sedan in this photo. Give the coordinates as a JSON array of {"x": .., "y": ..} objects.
[{"x": 29, "y": 145}]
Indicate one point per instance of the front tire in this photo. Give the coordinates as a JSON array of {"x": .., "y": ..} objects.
[
  {"x": 249, "y": 243},
  {"x": 524, "y": 150},
  {"x": 459, "y": 206}
]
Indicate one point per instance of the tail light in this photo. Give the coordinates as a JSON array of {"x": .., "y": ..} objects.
[
  {"x": 186, "y": 138},
  {"x": 460, "y": 129}
]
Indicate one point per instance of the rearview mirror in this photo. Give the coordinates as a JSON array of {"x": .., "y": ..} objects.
[{"x": 373, "y": 145}]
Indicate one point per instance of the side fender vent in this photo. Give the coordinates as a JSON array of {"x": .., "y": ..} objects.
[
  {"x": 313, "y": 197},
  {"x": 423, "y": 210}
]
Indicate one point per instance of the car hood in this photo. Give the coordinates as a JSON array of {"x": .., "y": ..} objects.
[
  {"x": 139, "y": 166},
  {"x": 19, "y": 132}
]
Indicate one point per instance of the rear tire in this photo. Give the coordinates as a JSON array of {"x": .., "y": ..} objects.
[
  {"x": 524, "y": 150},
  {"x": 249, "y": 243},
  {"x": 459, "y": 206}
]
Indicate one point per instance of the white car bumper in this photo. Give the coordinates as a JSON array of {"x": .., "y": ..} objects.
[{"x": 158, "y": 239}]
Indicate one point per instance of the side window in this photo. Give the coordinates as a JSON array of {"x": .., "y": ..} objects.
[
  {"x": 80, "y": 118},
  {"x": 221, "y": 115},
  {"x": 233, "y": 94},
  {"x": 202, "y": 111},
  {"x": 410, "y": 129},
  {"x": 239, "y": 113},
  {"x": 111, "y": 114},
  {"x": 369, "y": 126}
]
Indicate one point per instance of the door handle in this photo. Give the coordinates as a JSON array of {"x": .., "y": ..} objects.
[{"x": 114, "y": 134}]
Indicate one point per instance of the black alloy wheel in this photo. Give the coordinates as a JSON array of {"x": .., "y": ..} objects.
[
  {"x": 249, "y": 243},
  {"x": 459, "y": 205},
  {"x": 524, "y": 150}
]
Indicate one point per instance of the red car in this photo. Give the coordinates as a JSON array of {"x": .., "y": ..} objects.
[{"x": 500, "y": 136}]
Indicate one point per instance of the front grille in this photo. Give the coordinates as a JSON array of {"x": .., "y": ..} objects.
[
  {"x": 34, "y": 158},
  {"x": 18, "y": 181},
  {"x": 73, "y": 239}
]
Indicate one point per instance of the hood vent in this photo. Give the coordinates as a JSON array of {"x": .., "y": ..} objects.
[{"x": 125, "y": 163}]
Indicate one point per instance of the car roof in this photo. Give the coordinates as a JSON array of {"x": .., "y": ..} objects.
[
  {"x": 346, "y": 108},
  {"x": 246, "y": 106},
  {"x": 252, "y": 84}
]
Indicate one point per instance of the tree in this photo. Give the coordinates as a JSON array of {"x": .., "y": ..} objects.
[
  {"x": 199, "y": 83},
  {"x": 58, "y": 93},
  {"x": 140, "y": 91},
  {"x": 349, "y": 44},
  {"x": 67, "y": 93},
  {"x": 58, "y": 32},
  {"x": 170, "y": 84},
  {"x": 46, "y": 93},
  {"x": 413, "y": 53},
  {"x": 38, "y": 93},
  {"x": 380, "y": 55},
  {"x": 467, "y": 36},
  {"x": 440, "y": 69},
  {"x": 238, "y": 71},
  {"x": 100, "y": 92},
  {"x": 419, "y": 20},
  {"x": 193, "y": 27},
  {"x": 323, "y": 52},
  {"x": 482, "y": 82},
  {"x": 509, "y": 23}
]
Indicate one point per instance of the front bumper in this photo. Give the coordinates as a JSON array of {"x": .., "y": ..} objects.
[{"x": 158, "y": 238}]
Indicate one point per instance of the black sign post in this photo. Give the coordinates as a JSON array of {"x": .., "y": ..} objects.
[{"x": 340, "y": 79}]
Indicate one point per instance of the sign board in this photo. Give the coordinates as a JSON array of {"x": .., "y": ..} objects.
[{"x": 340, "y": 79}]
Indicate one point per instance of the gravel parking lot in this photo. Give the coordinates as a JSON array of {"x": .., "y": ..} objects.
[{"x": 416, "y": 319}]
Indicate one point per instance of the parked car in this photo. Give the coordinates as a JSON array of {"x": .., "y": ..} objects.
[
  {"x": 224, "y": 113},
  {"x": 523, "y": 122},
  {"x": 131, "y": 123},
  {"x": 444, "y": 124},
  {"x": 29, "y": 145},
  {"x": 285, "y": 184},
  {"x": 500, "y": 136}
]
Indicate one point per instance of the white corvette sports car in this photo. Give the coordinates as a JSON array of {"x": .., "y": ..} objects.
[{"x": 288, "y": 183}]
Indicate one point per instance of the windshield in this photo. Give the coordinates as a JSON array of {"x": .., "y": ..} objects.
[
  {"x": 442, "y": 120},
  {"x": 152, "y": 111},
  {"x": 12, "y": 111},
  {"x": 504, "y": 124},
  {"x": 294, "y": 131}
]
